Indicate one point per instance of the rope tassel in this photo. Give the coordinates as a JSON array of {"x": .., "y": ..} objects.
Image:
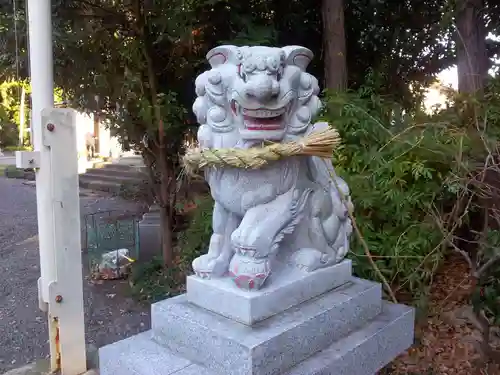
[{"x": 321, "y": 144}]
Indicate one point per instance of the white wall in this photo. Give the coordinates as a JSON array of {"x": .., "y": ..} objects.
[{"x": 108, "y": 145}]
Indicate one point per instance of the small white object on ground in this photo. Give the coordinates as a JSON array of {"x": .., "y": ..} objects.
[{"x": 114, "y": 264}]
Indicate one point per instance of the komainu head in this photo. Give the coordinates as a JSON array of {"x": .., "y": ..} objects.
[{"x": 263, "y": 92}]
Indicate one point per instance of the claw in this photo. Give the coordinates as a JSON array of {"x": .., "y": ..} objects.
[
  {"x": 245, "y": 251},
  {"x": 203, "y": 274}
]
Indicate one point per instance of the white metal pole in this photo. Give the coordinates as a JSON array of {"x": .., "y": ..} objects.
[
  {"x": 56, "y": 159},
  {"x": 42, "y": 96}
]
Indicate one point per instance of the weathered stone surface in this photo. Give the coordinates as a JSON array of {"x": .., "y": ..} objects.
[
  {"x": 272, "y": 345},
  {"x": 363, "y": 352},
  {"x": 149, "y": 234},
  {"x": 291, "y": 288},
  {"x": 139, "y": 355},
  {"x": 41, "y": 367},
  {"x": 367, "y": 350},
  {"x": 149, "y": 241}
]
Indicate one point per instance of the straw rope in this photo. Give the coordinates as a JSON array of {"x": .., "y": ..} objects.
[{"x": 321, "y": 144}]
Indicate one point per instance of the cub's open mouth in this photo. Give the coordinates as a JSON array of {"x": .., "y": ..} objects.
[{"x": 261, "y": 118}]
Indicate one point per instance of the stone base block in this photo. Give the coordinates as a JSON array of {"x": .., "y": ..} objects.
[
  {"x": 270, "y": 346},
  {"x": 363, "y": 352},
  {"x": 149, "y": 235},
  {"x": 283, "y": 290},
  {"x": 149, "y": 241}
]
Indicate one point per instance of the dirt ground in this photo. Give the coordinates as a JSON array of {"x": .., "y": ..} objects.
[
  {"x": 446, "y": 340},
  {"x": 110, "y": 313}
]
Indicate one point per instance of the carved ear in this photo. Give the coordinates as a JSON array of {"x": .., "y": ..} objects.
[
  {"x": 298, "y": 56},
  {"x": 220, "y": 55}
]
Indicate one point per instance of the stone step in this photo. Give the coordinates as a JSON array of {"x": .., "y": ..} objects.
[
  {"x": 367, "y": 350},
  {"x": 363, "y": 352},
  {"x": 117, "y": 172},
  {"x": 151, "y": 216},
  {"x": 139, "y": 355},
  {"x": 100, "y": 185},
  {"x": 137, "y": 179},
  {"x": 270, "y": 346},
  {"x": 120, "y": 167}
]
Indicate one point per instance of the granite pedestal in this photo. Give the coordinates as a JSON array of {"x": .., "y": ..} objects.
[{"x": 324, "y": 323}]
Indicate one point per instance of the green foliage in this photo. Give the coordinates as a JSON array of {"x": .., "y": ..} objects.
[
  {"x": 5, "y": 168},
  {"x": 8, "y": 133},
  {"x": 193, "y": 242},
  {"x": 17, "y": 148},
  {"x": 151, "y": 282},
  {"x": 10, "y": 111},
  {"x": 11, "y": 171},
  {"x": 402, "y": 174}
]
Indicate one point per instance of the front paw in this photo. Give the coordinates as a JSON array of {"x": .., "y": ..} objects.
[
  {"x": 206, "y": 266},
  {"x": 249, "y": 273}
]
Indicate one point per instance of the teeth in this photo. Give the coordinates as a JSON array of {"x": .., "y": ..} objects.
[
  {"x": 259, "y": 126},
  {"x": 263, "y": 113}
]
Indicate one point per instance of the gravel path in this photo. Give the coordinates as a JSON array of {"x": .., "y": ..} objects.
[{"x": 110, "y": 314}]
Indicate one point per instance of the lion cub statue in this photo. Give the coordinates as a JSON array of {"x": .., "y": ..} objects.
[{"x": 294, "y": 211}]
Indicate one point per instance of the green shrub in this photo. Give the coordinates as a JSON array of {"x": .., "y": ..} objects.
[
  {"x": 11, "y": 171},
  {"x": 403, "y": 176},
  {"x": 8, "y": 135},
  {"x": 194, "y": 241}
]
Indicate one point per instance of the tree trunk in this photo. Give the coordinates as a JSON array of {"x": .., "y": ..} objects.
[
  {"x": 334, "y": 45},
  {"x": 166, "y": 214},
  {"x": 472, "y": 58},
  {"x": 165, "y": 168}
]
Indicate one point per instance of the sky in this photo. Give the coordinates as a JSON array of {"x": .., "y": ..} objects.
[{"x": 449, "y": 77}]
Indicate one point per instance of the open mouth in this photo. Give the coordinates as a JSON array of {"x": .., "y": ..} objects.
[{"x": 261, "y": 118}]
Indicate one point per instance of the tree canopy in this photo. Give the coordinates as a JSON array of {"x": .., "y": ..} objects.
[{"x": 100, "y": 45}]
